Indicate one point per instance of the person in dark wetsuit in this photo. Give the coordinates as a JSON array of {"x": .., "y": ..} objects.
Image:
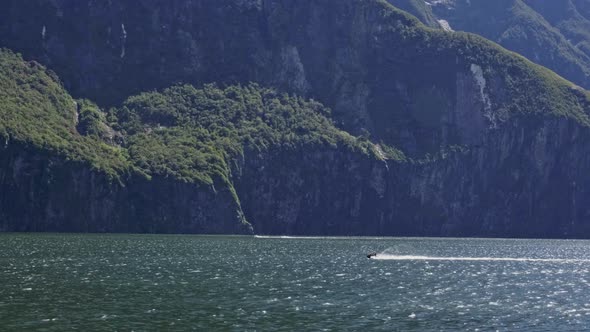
[{"x": 373, "y": 254}]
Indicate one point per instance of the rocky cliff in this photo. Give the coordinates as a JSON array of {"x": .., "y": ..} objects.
[
  {"x": 44, "y": 193},
  {"x": 429, "y": 132}
]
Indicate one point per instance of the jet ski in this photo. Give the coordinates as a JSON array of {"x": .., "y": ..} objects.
[{"x": 373, "y": 254}]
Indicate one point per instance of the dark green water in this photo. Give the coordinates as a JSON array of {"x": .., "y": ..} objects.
[{"x": 140, "y": 283}]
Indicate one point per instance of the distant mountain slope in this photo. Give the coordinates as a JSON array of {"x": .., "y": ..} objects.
[
  {"x": 554, "y": 34},
  {"x": 570, "y": 17}
]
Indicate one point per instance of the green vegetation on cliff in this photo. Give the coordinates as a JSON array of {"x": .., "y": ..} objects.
[
  {"x": 36, "y": 110},
  {"x": 182, "y": 132},
  {"x": 190, "y": 133}
]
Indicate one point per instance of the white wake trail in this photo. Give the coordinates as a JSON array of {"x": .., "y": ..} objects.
[
  {"x": 288, "y": 237},
  {"x": 484, "y": 259}
]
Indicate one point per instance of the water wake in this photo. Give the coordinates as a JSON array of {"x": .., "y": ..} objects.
[
  {"x": 387, "y": 257},
  {"x": 287, "y": 237}
]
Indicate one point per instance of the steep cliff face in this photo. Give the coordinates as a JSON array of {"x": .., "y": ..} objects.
[
  {"x": 315, "y": 192},
  {"x": 108, "y": 51},
  {"x": 528, "y": 181},
  {"x": 517, "y": 175},
  {"x": 524, "y": 184},
  {"x": 41, "y": 192}
]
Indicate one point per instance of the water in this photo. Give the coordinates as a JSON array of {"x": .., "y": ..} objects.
[{"x": 132, "y": 282}]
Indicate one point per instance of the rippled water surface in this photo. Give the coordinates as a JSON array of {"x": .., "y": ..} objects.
[{"x": 133, "y": 282}]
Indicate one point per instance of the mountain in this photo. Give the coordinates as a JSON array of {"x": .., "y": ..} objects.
[
  {"x": 554, "y": 34},
  {"x": 166, "y": 162},
  {"x": 361, "y": 121}
]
